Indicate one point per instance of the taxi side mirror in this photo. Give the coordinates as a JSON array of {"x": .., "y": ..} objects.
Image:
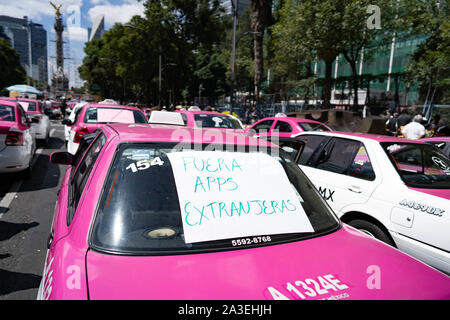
[{"x": 61, "y": 157}]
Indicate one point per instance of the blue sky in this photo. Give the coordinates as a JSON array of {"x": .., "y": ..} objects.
[{"x": 78, "y": 15}]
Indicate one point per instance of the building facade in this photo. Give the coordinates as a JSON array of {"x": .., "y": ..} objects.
[
  {"x": 29, "y": 39},
  {"x": 242, "y": 5},
  {"x": 98, "y": 28}
]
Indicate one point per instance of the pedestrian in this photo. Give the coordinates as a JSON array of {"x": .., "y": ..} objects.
[
  {"x": 247, "y": 116},
  {"x": 442, "y": 129},
  {"x": 414, "y": 130},
  {"x": 391, "y": 124},
  {"x": 63, "y": 108},
  {"x": 254, "y": 115}
]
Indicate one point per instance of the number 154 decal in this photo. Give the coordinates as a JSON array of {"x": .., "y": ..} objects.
[{"x": 144, "y": 164}]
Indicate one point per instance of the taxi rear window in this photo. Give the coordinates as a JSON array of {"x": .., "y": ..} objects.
[
  {"x": 216, "y": 121},
  {"x": 419, "y": 165},
  {"x": 146, "y": 210},
  {"x": 7, "y": 113},
  {"x": 111, "y": 115}
]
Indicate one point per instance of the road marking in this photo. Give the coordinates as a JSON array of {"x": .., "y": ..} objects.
[
  {"x": 51, "y": 132},
  {"x": 9, "y": 197}
]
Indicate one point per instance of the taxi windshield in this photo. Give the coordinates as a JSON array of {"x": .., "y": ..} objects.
[
  {"x": 216, "y": 121},
  {"x": 419, "y": 165},
  {"x": 159, "y": 199}
]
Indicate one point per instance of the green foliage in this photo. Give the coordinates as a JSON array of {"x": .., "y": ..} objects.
[
  {"x": 11, "y": 70},
  {"x": 185, "y": 34}
]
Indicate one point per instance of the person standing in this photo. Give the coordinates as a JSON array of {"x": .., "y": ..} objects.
[
  {"x": 414, "y": 130},
  {"x": 247, "y": 116},
  {"x": 254, "y": 115},
  {"x": 391, "y": 125},
  {"x": 63, "y": 108}
]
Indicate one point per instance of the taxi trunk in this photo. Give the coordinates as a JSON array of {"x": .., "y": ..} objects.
[{"x": 345, "y": 264}]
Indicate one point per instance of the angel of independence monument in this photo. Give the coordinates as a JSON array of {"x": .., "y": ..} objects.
[{"x": 60, "y": 83}]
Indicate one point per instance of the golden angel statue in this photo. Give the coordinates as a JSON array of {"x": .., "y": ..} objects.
[{"x": 57, "y": 8}]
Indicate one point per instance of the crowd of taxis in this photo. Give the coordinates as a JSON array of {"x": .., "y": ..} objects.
[{"x": 192, "y": 205}]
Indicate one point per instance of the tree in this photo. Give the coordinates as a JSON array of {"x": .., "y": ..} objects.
[
  {"x": 312, "y": 27},
  {"x": 430, "y": 64},
  {"x": 11, "y": 70},
  {"x": 261, "y": 18}
]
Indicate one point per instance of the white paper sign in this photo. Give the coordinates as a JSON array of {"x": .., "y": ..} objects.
[
  {"x": 227, "y": 195},
  {"x": 115, "y": 115}
]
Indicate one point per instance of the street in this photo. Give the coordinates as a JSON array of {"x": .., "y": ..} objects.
[{"x": 26, "y": 212}]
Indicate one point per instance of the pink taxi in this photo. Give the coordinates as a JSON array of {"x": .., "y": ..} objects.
[
  {"x": 92, "y": 116},
  {"x": 285, "y": 127},
  {"x": 163, "y": 212},
  {"x": 17, "y": 143},
  {"x": 35, "y": 110},
  {"x": 208, "y": 119}
]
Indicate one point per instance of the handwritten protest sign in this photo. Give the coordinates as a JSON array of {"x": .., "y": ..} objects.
[
  {"x": 115, "y": 115},
  {"x": 229, "y": 194}
]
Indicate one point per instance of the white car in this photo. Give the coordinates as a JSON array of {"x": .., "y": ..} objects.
[
  {"x": 395, "y": 190},
  {"x": 71, "y": 117},
  {"x": 17, "y": 142}
]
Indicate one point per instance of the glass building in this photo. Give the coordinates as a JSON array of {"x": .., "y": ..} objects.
[
  {"x": 242, "y": 5},
  {"x": 29, "y": 39}
]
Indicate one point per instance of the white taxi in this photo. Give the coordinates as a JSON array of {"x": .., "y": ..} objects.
[{"x": 395, "y": 190}]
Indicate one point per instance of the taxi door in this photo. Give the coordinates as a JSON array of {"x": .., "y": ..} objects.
[{"x": 342, "y": 172}]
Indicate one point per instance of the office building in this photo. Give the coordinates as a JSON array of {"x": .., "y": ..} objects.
[
  {"x": 29, "y": 39},
  {"x": 98, "y": 28}
]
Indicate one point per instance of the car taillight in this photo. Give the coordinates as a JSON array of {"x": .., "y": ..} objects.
[
  {"x": 14, "y": 139},
  {"x": 79, "y": 134}
]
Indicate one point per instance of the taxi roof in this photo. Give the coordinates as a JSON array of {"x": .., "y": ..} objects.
[
  {"x": 20, "y": 99},
  {"x": 369, "y": 136},
  {"x": 293, "y": 119},
  {"x": 112, "y": 106},
  {"x": 169, "y": 133},
  {"x": 8, "y": 102}
]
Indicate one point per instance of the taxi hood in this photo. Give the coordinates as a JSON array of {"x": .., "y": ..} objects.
[{"x": 345, "y": 264}]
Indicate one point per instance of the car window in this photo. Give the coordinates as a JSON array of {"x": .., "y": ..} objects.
[
  {"x": 419, "y": 165},
  {"x": 361, "y": 166},
  {"x": 111, "y": 115},
  {"x": 81, "y": 175},
  {"x": 31, "y": 106},
  {"x": 312, "y": 144},
  {"x": 438, "y": 144},
  {"x": 22, "y": 114},
  {"x": 77, "y": 115},
  {"x": 216, "y": 121},
  {"x": 7, "y": 113},
  {"x": 185, "y": 118},
  {"x": 264, "y": 125},
  {"x": 139, "y": 211},
  {"x": 312, "y": 126},
  {"x": 338, "y": 155},
  {"x": 282, "y": 126}
]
